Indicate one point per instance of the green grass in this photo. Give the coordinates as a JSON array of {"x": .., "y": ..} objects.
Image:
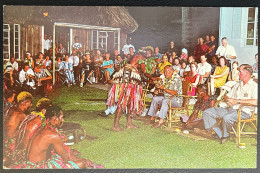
[{"x": 145, "y": 147}]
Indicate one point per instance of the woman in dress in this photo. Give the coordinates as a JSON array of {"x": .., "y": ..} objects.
[
  {"x": 220, "y": 75},
  {"x": 193, "y": 77},
  {"x": 108, "y": 67},
  {"x": 233, "y": 78}
]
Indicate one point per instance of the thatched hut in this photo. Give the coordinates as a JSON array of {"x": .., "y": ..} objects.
[{"x": 25, "y": 26}]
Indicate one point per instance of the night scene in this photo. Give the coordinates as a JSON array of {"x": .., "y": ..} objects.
[{"x": 129, "y": 87}]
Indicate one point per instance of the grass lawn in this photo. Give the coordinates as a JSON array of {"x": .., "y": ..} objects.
[{"x": 145, "y": 147}]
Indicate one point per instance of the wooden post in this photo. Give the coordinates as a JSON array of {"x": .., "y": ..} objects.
[
  {"x": 238, "y": 125},
  {"x": 53, "y": 55},
  {"x": 170, "y": 113}
]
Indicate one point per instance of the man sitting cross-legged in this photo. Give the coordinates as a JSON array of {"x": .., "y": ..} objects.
[
  {"x": 171, "y": 85},
  {"x": 244, "y": 92},
  {"x": 46, "y": 148}
]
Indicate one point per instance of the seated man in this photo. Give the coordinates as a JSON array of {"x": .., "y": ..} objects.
[
  {"x": 17, "y": 115},
  {"x": 13, "y": 119},
  {"x": 204, "y": 69},
  {"x": 67, "y": 68},
  {"x": 33, "y": 121},
  {"x": 9, "y": 100},
  {"x": 204, "y": 102},
  {"x": 171, "y": 85},
  {"x": 42, "y": 76},
  {"x": 244, "y": 92},
  {"x": 10, "y": 72},
  {"x": 46, "y": 147},
  {"x": 26, "y": 78}
]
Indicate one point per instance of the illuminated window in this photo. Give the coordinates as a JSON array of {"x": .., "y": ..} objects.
[
  {"x": 252, "y": 29},
  {"x": 6, "y": 41}
]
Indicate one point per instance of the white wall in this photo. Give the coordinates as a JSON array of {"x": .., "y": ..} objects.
[{"x": 233, "y": 25}]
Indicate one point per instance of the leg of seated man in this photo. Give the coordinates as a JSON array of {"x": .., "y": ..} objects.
[
  {"x": 229, "y": 119},
  {"x": 157, "y": 100},
  {"x": 209, "y": 117},
  {"x": 165, "y": 107}
]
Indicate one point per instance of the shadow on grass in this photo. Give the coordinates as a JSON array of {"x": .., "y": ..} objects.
[
  {"x": 98, "y": 100},
  {"x": 83, "y": 114}
]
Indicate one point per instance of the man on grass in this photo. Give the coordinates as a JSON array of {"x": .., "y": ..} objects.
[{"x": 244, "y": 92}]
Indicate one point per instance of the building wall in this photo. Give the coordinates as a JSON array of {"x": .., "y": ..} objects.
[
  {"x": 198, "y": 22},
  {"x": 233, "y": 25}
]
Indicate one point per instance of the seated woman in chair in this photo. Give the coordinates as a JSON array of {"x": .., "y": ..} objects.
[
  {"x": 193, "y": 77},
  {"x": 233, "y": 78},
  {"x": 108, "y": 67},
  {"x": 220, "y": 75}
]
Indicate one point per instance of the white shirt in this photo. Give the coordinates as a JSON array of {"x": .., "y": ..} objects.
[
  {"x": 74, "y": 60},
  {"x": 203, "y": 69},
  {"x": 226, "y": 51},
  {"x": 176, "y": 67},
  {"x": 14, "y": 65},
  {"x": 241, "y": 91},
  {"x": 77, "y": 45},
  {"x": 47, "y": 44},
  {"x": 23, "y": 74},
  {"x": 126, "y": 47}
]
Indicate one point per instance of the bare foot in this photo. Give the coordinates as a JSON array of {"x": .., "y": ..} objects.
[
  {"x": 117, "y": 129},
  {"x": 132, "y": 126}
]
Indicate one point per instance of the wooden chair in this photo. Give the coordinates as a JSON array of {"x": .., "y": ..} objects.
[
  {"x": 144, "y": 92},
  {"x": 240, "y": 129},
  {"x": 172, "y": 116}
]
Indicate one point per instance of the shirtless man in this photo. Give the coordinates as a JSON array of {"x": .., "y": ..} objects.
[
  {"x": 47, "y": 146},
  {"x": 17, "y": 115},
  {"x": 11, "y": 123},
  {"x": 32, "y": 122}
]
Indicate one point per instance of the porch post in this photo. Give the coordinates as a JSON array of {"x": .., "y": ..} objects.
[
  {"x": 118, "y": 40},
  {"x": 53, "y": 55}
]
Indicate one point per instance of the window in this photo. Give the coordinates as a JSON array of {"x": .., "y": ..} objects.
[
  {"x": 102, "y": 40},
  {"x": 6, "y": 41},
  {"x": 94, "y": 38},
  {"x": 17, "y": 41},
  {"x": 116, "y": 40},
  {"x": 252, "y": 29},
  {"x": 99, "y": 40}
]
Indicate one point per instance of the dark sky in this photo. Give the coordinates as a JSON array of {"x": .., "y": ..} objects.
[{"x": 157, "y": 25}]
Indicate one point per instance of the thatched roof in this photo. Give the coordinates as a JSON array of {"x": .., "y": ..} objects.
[{"x": 111, "y": 16}]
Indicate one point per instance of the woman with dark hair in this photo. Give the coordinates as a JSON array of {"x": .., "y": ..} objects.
[
  {"x": 233, "y": 78},
  {"x": 220, "y": 75},
  {"x": 193, "y": 77}
]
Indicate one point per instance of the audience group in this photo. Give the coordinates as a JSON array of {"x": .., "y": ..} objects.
[{"x": 210, "y": 71}]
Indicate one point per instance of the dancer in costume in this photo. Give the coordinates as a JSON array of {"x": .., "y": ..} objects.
[
  {"x": 46, "y": 148},
  {"x": 125, "y": 93}
]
